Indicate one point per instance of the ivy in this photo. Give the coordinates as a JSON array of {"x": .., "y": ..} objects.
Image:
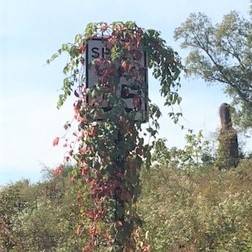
[{"x": 110, "y": 153}]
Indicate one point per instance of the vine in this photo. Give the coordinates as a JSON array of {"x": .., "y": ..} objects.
[{"x": 109, "y": 153}]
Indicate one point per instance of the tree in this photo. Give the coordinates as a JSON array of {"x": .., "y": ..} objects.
[
  {"x": 222, "y": 53},
  {"x": 195, "y": 154}
]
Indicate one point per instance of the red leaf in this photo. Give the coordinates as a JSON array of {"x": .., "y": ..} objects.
[
  {"x": 56, "y": 141},
  {"x": 82, "y": 48}
]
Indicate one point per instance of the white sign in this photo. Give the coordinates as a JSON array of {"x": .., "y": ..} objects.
[{"x": 131, "y": 73}]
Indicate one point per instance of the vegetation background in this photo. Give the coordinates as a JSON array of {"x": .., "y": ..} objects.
[
  {"x": 186, "y": 205},
  {"x": 187, "y": 202}
]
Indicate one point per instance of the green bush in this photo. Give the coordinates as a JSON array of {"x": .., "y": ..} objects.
[
  {"x": 40, "y": 217},
  {"x": 197, "y": 209},
  {"x": 209, "y": 210}
]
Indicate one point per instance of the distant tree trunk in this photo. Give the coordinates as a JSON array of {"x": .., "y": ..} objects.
[{"x": 228, "y": 154}]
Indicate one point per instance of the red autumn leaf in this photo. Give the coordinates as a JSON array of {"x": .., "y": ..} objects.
[
  {"x": 125, "y": 66},
  {"x": 137, "y": 102},
  {"x": 56, "y": 141},
  {"x": 82, "y": 48},
  {"x": 58, "y": 170}
]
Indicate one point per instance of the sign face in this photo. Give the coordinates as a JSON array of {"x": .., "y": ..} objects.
[{"x": 132, "y": 78}]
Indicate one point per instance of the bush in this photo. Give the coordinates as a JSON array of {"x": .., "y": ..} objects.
[
  {"x": 209, "y": 210},
  {"x": 40, "y": 217},
  {"x": 196, "y": 209}
]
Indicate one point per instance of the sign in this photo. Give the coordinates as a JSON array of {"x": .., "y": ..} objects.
[{"x": 132, "y": 77}]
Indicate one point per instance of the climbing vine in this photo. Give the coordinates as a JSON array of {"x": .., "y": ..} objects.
[{"x": 109, "y": 153}]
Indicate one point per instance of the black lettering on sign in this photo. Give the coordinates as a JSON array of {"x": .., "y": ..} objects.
[
  {"x": 95, "y": 52},
  {"x": 105, "y": 52}
]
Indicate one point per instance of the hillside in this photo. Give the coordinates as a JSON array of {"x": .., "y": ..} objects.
[{"x": 200, "y": 209}]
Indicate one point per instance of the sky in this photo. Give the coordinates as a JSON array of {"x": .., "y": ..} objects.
[{"x": 30, "y": 31}]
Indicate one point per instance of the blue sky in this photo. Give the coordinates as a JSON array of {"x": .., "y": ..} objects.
[{"x": 30, "y": 31}]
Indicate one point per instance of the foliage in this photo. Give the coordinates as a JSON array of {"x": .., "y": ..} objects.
[
  {"x": 227, "y": 152},
  {"x": 46, "y": 218},
  {"x": 221, "y": 53},
  {"x": 196, "y": 153},
  {"x": 109, "y": 153},
  {"x": 10, "y": 205},
  {"x": 201, "y": 210},
  {"x": 186, "y": 204}
]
